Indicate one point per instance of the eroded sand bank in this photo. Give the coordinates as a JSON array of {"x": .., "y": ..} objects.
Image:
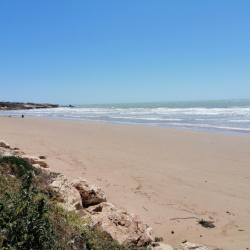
[{"x": 158, "y": 173}]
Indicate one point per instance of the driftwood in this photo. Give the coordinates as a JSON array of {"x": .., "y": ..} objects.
[
  {"x": 204, "y": 223},
  {"x": 184, "y": 218}
]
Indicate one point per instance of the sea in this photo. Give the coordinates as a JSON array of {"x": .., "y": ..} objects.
[{"x": 223, "y": 116}]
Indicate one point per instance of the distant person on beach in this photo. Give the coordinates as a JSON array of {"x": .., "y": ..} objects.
[{"x": 22, "y": 116}]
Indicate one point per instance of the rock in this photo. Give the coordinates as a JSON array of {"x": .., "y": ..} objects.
[
  {"x": 5, "y": 152},
  {"x": 3, "y": 144},
  {"x": 120, "y": 224},
  {"x": 34, "y": 160},
  {"x": 189, "y": 246},
  {"x": 90, "y": 194},
  {"x": 81, "y": 213},
  {"x": 44, "y": 172},
  {"x": 68, "y": 194},
  {"x": 67, "y": 206},
  {"x": 162, "y": 246},
  {"x": 18, "y": 152}
]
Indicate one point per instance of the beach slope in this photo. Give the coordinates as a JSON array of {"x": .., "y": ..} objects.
[{"x": 171, "y": 178}]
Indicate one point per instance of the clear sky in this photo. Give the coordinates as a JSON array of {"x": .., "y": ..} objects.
[{"x": 117, "y": 51}]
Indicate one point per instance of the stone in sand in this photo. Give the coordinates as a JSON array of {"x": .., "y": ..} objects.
[
  {"x": 189, "y": 246},
  {"x": 34, "y": 160},
  {"x": 18, "y": 152},
  {"x": 44, "y": 172},
  {"x": 121, "y": 225},
  {"x": 90, "y": 194},
  {"x": 5, "y": 152},
  {"x": 69, "y": 196},
  {"x": 162, "y": 246},
  {"x": 4, "y": 144}
]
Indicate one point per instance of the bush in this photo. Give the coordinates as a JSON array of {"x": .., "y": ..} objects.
[
  {"x": 25, "y": 222},
  {"x": 31, "y": 218},
  {"x": 17, "y": 166}
]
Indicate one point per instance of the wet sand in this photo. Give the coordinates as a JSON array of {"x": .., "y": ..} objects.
[{"x": 159, "y": 173}]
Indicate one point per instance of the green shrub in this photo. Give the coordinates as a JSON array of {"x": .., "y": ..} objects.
[
  {"x": 24, "y": 222},
  {"x": 17, "y": 166},
  {"x": 31, "y": 218}
]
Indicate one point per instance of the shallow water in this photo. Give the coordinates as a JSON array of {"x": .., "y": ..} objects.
[{"x": 229, "y": 116}]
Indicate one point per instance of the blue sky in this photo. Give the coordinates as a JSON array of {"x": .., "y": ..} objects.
[{"x": 117, "y": 51}]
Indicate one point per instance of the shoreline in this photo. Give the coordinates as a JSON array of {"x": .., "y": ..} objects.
[
  {"x": 142, "y": 124},
  {"x": 159, "y": 173}
]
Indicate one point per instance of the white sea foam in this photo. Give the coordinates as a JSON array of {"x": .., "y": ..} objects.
[{"x": 209, "y": 116}]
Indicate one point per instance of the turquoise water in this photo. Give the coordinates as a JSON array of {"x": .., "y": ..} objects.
[
  {"x": 183, "y": 104},
  {"x": 227, "y": 116}
]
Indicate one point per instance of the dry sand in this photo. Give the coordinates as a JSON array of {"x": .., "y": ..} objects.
[{"x": 156, "y": 172}]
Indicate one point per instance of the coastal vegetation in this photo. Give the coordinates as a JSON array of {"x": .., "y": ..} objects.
[
  {"x": 28, "y": 105},
  {"x": 32, "y": 219}
]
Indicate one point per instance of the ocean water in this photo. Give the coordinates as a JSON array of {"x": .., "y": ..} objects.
[{"x": 228, "y": 116}]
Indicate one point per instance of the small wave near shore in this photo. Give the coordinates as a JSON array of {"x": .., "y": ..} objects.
[{"x": 232, "y": 116}]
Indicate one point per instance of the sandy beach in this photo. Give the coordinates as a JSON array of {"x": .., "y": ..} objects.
[{"x": 165, "y": 175}]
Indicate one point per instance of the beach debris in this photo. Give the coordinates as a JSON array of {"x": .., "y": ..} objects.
[
  {"x": 145, "y": 208},
  {"x": 184, "y": 218},
  {"x": 90, "y": 194},
  {"x": 157, "y": 223},
  {"x": 172, "y": 232},
  {"x": 125, "y": 227},
  {"x": 229, "y": 213},
  {"x": 207, "y": 224},
  {"x": 42, "y": 157},
  {"x": 204, "y": 223}
]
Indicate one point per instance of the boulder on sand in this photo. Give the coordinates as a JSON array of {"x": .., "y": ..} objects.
[
  {"x": 3, "y": 144},
  {"x": 34, "y": 160},
  {"x": 46, "y": 173},
  {"x": 189, "y": 246},
  {"x": 17, "y": 152},
  {"x": 120, "y": 224},
  {"x": 90, "y": 194},
  {"x": 161, "y": 246},
  {"x": 5, "y": 152},
  {"x": 68, "y": 194}
]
